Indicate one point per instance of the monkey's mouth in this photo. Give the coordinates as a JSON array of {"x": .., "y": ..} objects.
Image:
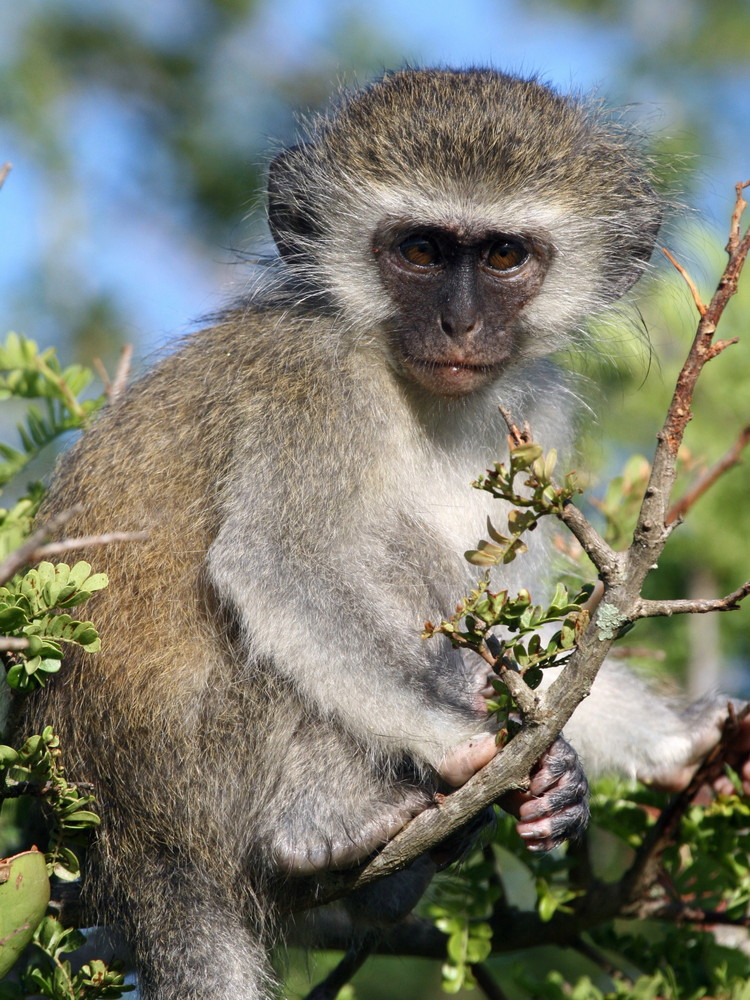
[{"x": 452, "y": 377}]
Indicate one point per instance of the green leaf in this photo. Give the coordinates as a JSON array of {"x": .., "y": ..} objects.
[
  {"x": 524, "y": 455},
  {"x": 11, "y": 619}
]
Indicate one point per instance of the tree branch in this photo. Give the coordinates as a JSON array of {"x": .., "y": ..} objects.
[{"x": 653, "y": 609}]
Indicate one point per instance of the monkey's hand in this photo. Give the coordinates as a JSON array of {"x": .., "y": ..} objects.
[{"x": 555, "y": 807}]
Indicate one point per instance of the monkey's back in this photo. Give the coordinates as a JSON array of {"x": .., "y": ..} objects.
[{"x": 165, "y": 720}]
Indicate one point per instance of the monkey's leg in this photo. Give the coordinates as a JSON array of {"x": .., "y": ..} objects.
[
  {"x": 338, "y": 824},
  {"x": 188, "y": 933}
]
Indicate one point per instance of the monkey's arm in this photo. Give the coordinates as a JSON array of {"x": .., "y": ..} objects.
[{"x": 350, "y": 647}]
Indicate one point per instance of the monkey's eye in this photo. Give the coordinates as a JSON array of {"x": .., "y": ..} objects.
[
  {"x": 504, "y": 255},
  {"x": 421, "y": 250}
]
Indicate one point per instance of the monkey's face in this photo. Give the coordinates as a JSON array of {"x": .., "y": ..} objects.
[{"x": 458, "y": 296}]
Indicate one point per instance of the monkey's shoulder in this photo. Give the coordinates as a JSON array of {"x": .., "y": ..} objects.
[{"x": 251, "y": 387}]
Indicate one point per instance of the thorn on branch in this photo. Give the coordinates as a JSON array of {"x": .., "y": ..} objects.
[
  {"x": 516, "y": 437},
  {"x": 699, "y": 303}
]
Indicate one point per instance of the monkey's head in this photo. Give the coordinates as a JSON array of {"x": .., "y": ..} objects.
[{"x": 475, "y": 218}]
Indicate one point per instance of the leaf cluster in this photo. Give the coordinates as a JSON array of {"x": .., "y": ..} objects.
[
  {"x": 31, "y": 608},
  {"x": 461, "y": 911},
  {"x": 36, "y": 769},
  {"x": 49, "y": 974},
  {"x": 541, "y": 493},
  {"x": 28, "y": 373},
  {"x": 523, "y": 648},
  {"x": 666, "y": 954}
]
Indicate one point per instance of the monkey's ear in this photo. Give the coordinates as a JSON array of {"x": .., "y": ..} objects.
[{"x": 291, "y": 223}]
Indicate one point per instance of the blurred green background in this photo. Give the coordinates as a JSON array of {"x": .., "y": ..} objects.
[{"x": 139, "y": 129}]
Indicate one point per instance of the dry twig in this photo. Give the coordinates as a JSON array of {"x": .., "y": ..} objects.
[
  {"x": 34, "y": 549},
  {"x": 727, "y": 461},
  {"x": 114, "y": 387}
]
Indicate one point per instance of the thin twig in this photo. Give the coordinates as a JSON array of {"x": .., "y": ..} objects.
[
  {"x": 114, "y": 387},
  {"x": 85, "y": 542},
  {"x": 22, "y": 555},
  {"x": 5, "y": 169},
  {"x": 731, "y": 458},
  {"x": 698, "y": 606},
  {"x": 353, "y": 960},
  {"x": 487, "y": 983},
  {"x": 35, "y": 549},
  {"x": 699, "y": 304},
  {"x": 735, "y": 233},
  {"x": 122, "y": 373}
]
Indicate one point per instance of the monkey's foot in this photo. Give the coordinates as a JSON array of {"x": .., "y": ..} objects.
[
  {"x": 305, "y": 847},
  {"x": 674, "y": 777},
  {"x": 555, "y": 807}
]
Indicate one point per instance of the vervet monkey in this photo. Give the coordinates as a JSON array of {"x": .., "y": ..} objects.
[{"x": 264, "y": 706}]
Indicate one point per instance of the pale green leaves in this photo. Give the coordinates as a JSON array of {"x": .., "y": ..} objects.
[
  {"x": 35, "y": 767},
  {"x": 539, "y": 492},
  {"x": 503, "y": 548},
  {"x": 460, "y": 912},
  {"x": 51, "y": 975},
  {"x": 27, "y": 373},
  {"x": 31, "y": 608}
]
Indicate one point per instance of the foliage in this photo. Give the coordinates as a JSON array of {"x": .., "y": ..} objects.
[
  {"x": 28, "y": 373},
  {"x": 461, "y": 911},
  {"x": 33, "y": 610},
  {"x": 35, "y": 769},
  {"x": 48, "y": 974},
  {"x": 664, "y": 956}
]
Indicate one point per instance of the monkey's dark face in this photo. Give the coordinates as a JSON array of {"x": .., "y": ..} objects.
[{"x": 457, "y": 296}]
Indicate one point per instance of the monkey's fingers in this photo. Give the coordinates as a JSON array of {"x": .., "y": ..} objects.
[
  {"x": 555, "y": 807},
  {"x": 548, "y": 832}
]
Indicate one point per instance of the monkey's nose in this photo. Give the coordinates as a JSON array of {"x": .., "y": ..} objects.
[{"x": 458, "y": 327}]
